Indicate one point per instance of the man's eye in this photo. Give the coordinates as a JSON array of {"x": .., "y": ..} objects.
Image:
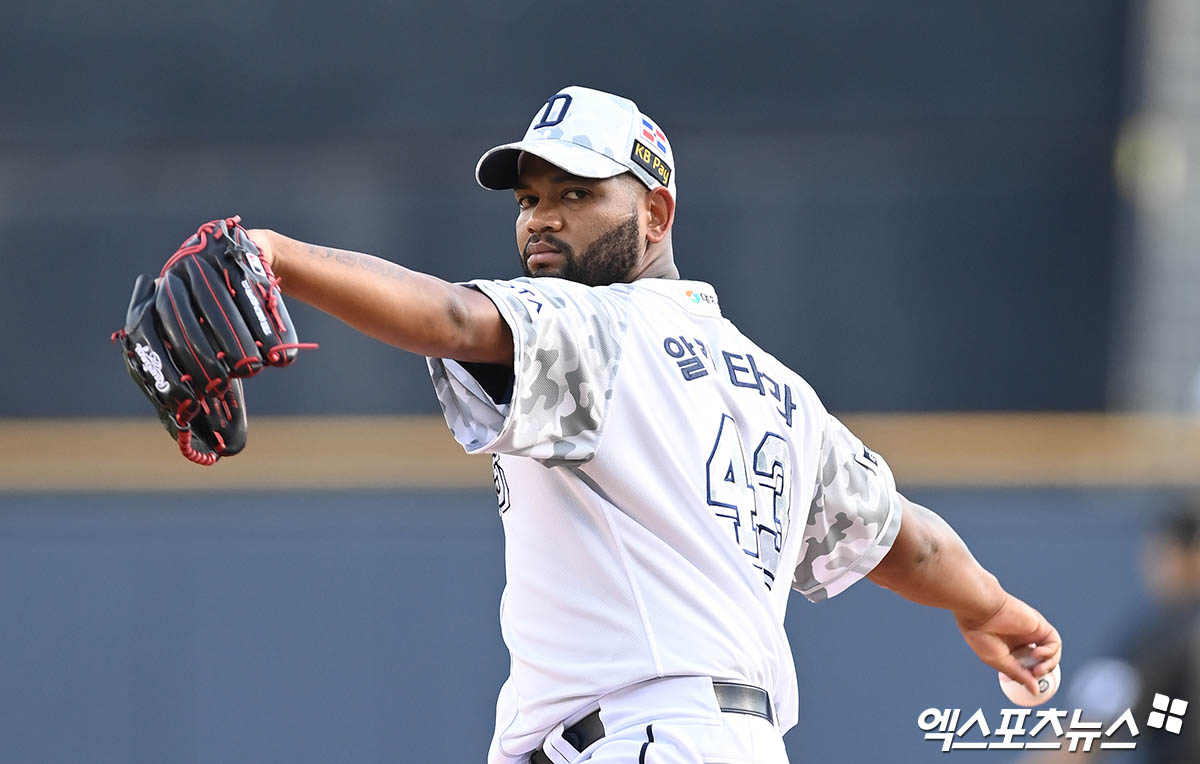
[
  {"x": 576, "y": 193},
  {"x": 525, "y": 202}
]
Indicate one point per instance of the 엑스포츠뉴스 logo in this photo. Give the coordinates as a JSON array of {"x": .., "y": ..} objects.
[
  {"x": 1168, "y": 713},
  {"x": 1047, "y": 729}
]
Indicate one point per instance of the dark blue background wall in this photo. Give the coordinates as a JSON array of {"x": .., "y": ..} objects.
[
  {"x": 363, "y": 627},
  {"x": 911, "y": 204}
]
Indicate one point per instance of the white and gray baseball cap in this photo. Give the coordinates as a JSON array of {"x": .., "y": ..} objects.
[{"x": 588, "y": 133}]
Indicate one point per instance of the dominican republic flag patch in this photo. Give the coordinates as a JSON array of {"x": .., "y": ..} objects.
[{"x": 654, "y": 135}]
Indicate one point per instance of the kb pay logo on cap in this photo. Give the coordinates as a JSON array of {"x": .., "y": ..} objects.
[{"x": 647, "y": 158}]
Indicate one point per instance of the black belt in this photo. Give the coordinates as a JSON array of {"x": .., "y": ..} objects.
[{"x": 732, "y": 698}]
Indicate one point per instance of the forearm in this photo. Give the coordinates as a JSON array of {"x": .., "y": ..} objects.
[
  {"x": 929, "y": 564},
  {"x": 414, "y": 311}
]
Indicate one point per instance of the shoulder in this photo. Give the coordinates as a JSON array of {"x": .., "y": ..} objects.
[
  {"x": 560, "y": 294},
  {"x": 744, "y": 351},
  {"x": 695, "y": 297}
]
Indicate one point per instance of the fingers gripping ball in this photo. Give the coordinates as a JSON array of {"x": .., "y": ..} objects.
[
  {"x": 1019, "y": 693},
  {"x": 213, "y": 316}
]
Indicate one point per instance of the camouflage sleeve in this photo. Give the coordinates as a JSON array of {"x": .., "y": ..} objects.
[
  {"x": 854, "y": 517},
  {"x": 566, "y": 349}
]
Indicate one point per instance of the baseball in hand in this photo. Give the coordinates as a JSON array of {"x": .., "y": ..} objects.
[{"x": 1019, "y": 693}]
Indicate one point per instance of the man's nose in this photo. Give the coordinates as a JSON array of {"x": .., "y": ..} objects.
[{"x": 544, "y": 218}]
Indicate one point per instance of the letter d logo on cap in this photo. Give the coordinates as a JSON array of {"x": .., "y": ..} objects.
[{"x": 550, "y": 117}]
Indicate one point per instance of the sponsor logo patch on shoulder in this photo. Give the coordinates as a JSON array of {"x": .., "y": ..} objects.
[
  {"x": 652, "y": 162},
  {"x": 699, "y": 300}
]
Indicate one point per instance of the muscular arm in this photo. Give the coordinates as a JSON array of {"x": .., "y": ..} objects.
[
  {"x": 929, "y": 564},
  {"x": 414, "y": 311}
]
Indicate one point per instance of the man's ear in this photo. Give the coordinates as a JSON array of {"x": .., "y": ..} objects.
[{"x": 661, "y": 206}]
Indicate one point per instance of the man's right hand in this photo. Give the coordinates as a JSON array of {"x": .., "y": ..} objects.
[{"x": 1014, "y": 625}]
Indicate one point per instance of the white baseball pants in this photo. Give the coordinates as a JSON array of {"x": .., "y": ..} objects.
[{"x": 672, "y": 721}]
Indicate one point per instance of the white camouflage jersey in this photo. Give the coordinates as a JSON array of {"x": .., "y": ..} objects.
[{"x": 663, "y": 483}]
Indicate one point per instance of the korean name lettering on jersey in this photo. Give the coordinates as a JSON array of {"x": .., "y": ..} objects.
[
  {"x": 684, "y": 351},
  {"x": 690, "y": 356}
]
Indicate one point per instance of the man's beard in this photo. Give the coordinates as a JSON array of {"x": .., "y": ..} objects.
[{"x": 609, "y": 260}]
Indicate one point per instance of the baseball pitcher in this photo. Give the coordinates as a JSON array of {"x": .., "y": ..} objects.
[{"x": 663, "y": 481}]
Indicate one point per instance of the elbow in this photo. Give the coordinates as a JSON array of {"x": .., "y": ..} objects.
[
  {"x": 917, "y": 548},
  {"x": 456, "y": 311},
  {"x": 458, "y": 317},
  {"x": 474, "y": 331},
  {"x": 926, "y": 550},
  {"x": 457, "y": 329},
  {"x": 924, "y": 542}
]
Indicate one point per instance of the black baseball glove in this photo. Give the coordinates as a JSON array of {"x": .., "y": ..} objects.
[{"x": 213, "y": 316}]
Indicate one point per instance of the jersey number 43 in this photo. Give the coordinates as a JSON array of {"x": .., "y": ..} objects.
[{"x": 752, "y": 490}]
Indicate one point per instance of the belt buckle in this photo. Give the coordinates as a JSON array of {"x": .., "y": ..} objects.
[{"x": 739, "y": 698}]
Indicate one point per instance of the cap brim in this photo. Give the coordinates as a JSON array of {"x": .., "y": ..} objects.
[{"x": 497, "y": 169}]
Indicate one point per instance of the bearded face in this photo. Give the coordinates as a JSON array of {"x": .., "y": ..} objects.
[{"x": 610, "y": 259}]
